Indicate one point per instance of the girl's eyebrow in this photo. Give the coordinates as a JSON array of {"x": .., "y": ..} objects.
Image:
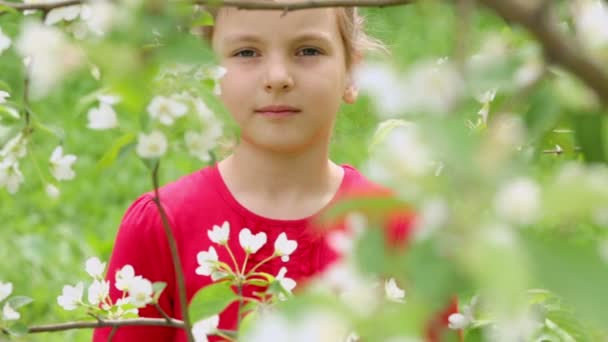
[{"x": 252, "y": 38}]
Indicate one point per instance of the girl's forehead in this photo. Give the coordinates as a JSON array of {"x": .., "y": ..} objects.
[{"x": 231, "y": 23}]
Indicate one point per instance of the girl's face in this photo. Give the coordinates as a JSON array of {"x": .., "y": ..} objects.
[{"x": 295, "y": 61}]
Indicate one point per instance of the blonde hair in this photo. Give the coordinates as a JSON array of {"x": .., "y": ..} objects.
[{"x": 351, "y": 26}]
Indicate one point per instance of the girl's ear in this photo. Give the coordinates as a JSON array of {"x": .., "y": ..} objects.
[{"x": 351, "y": 93}]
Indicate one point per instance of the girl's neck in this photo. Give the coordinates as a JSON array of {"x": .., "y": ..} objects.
[{"x": 261, "y": 179}]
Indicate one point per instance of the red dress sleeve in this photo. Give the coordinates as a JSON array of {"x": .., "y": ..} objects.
[{"x": 141, "y": 243}]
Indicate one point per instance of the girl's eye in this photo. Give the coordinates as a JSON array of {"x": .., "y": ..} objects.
[
  {"x": 309, "y": 52},
  {"x": 245, "y": 53}
]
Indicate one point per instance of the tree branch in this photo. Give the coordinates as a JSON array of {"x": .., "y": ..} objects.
[
  {"x": 559, "y": 48},
  {"x": 179, "y": 272},
  {"x": 162, "y": 322}
]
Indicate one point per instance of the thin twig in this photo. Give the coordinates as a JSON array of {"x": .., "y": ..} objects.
[
  {"x": 112, "y": 333},
  {"x": 179, "y": 272},
  {"x": 162, "y": 312},
  {"x": 161, "y": 322}
]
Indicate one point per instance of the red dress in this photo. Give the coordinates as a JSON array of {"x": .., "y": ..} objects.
[{"x": 195, "y": 203}]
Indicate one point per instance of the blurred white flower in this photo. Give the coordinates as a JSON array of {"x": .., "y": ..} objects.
[
  {"x": 529, "y": 72},
  {"x": 591, "y": 22},
  {"x": 354, "y": 289},
  {"x": 343, "y": 241},
  {"x": 108, "y": 99},
  {"x": 140, "y": 292},
  {"x": 287, "y": 283},
  {"x": 67, "y": 13},
  {"x": 102, "y": 117},
  {"x": 458, "y": 321},
  {"x": 10, "y": 176},
  {"x": 153, "y": 145},
  {"x": 284, "y": 247},
  {"x": 312, "y": 325},
  {"x": 206, "y": 262},
  {"x": 5, "y": 290},
  {"x": 386, "y": 90},
  {"x": 205, "y": 327},
  {"x": 251, "y": 243},
  {"x": 518, "y": 201},
  {"x": 433, "y": 87},
  {"x": 393, "y": 292},
  {"x": 433, "y": 215},
  {"x": 416, "y": 162},
  {"x": 9, "y": 314},
  {"x": 71, "y": 296},
  {"x": 200, "y": 144},
  {"x": 99, "y": 16},
  {"x": 95, "y": 267},
  {"x": 5, "y": 43},
  {"x": 98, "y": 291},
  {"x": 50, "y": 56},
  {"x": 3, "y": 94},
  {"x": 166, "y": 110},
  {"x": 219, "y": 234},
  {"x": 52, "y": 191},
  {"x": 124, "y": 277},
  {"x": 600, "y": 216},
  {"x": 61, "y": 165},
  {"x": 14, "y": 149}
]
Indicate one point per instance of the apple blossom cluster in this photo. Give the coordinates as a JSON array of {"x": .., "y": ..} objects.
[
  {"x": 8, "y": 312},
  {"x": 15, "y": 149},
  {"x": 210, "y": 265},
  {"x": 137, "y": 293}
]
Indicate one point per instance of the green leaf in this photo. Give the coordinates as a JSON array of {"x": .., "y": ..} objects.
[
  {"x": 19, "y": 301},
  {"x": 210, "y": 300},
  {"x": 18, "y": 329},
  {"x": 158, "y": 288},
  {"x": 5, "y": 8},
  {"x": 205, "y": 19},
  {"x": 384, "y": 128},
  {"x": 588, "y": 130},
  {"x": 111, "y": 154}
]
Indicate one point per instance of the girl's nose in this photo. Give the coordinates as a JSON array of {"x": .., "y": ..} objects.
[{"x": 278, "y": 77}]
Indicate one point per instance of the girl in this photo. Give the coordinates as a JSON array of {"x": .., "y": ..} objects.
[{"x": 286, "y": 78}]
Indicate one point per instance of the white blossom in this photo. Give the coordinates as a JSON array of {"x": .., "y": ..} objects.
[
  {"x": 52, "y": 191},
  {"x": 61, "y": 165},
  {"x": 591, "y": 22},
  {"x": 166, "y": 110},
  {"x": 50, "y": 56},
  {"x": 433, "y": 215},
  {"x": 99, "y": 290},
  {"x": 5, "y": 43},
  {"x": 10, "y": 176},
  {"x": 67, "y": 13},
  {"x": 384, "y": 87},
  {"x": 71, "y": 296},
  {"x": 485, "y": 99},
  {"x": 124, "y": 277},
  {"x": 518, "y": 201},
  {"x": 199, "y": 144},
  {"x": 14, "y": 149},
  {"x": 153, "y": 145},
  {"x": 102, "y": 117},
  {"x": 206, "y": 262},
  {"x": 251, "y": 243},
  {"x": 120, "y": 311},
  {"x": 393, "y": 292},
  {"x": 458, "y": 321},
  {"x": 284, "y": 247},
  {"x": 99, "y": 16},
  {"x": 205, "y": 327},
  {"x": 140, "y": 292},
  {"x": 95, "y": 267},
  {"x": 3, "y": 94},
  {"x": 9, "y": 314},
  {"x": 5, "y": 290},
  {"x": 287, "y": 283},
  {"x": 219, "y": 234}
]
